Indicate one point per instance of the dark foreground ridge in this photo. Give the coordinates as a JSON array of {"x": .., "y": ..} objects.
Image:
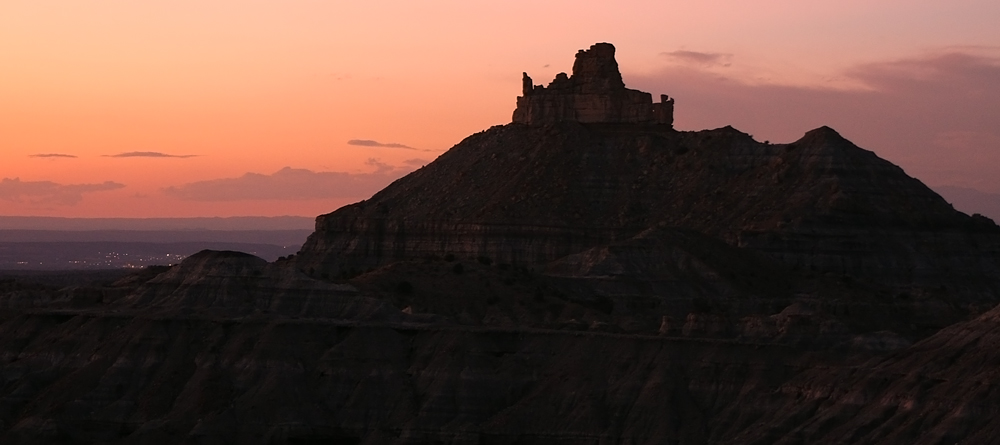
[{"x": 585, "y": 274}]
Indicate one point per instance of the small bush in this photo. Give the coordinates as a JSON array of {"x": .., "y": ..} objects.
[
  {"x": 485, "y": 260},
  {"x": 449, "y": 257},
  {"x": 458, "y": 268}
]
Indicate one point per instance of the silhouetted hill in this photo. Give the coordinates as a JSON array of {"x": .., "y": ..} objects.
[
  {"x": 533, "y": 194},
  {"x": 71, "y": 255}
]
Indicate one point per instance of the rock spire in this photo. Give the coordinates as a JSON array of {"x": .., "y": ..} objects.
[{"x": 595, "y": 93}]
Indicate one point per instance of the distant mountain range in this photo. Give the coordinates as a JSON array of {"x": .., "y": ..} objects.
[
  {"x": 229, "y": 223},
  {"x": 285, "y": 238},
  {"x": 46, "y": 243}
]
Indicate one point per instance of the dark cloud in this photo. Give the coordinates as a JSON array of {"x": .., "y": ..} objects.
[
  {"x": 291, "y": 184},
  {"x": 974, "y": 72},
  {"x": 49, "y": 193},
  {"x": 935, "y": 115},
  {"x": 147, "y": 154},
  {"x": 370, "y": 143},
  {"x": 51, "y": 155},
  {"x": 699, "y": 58}
]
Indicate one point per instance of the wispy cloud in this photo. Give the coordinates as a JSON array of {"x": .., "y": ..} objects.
[
  {"x": 937, "y": 70},
  {"x": 147, "y": 154},
  {"x": 51, "y": 155},
  {"x": 291, "y": 184},
  {"x": 699, "y": 58},
  {"x": 377, "y": 144},
  {"x": 47, "y": 192}
]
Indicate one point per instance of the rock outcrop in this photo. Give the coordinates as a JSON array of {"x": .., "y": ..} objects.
[
  {"x": 595, "y": 93},
  {"x": 81, "y": 378},
  {"x": 941, "y": 390},
  {"x": 533, "y": 194},
  {"x": 227, "y": 284}
]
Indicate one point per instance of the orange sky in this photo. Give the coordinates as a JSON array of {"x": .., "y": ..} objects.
[{"x": 255, "y": 102}]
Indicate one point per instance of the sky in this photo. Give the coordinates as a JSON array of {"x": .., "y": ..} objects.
[{"x": 189, "y": 108}]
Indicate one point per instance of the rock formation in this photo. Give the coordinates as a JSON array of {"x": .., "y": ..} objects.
[
  {"x": 595, "y": 93},
  {"x": 941, "y": 390},
  {"x": 533, "y": 194}
]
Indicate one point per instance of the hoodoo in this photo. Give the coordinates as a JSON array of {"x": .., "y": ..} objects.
[{"x": 595, "y": 93}]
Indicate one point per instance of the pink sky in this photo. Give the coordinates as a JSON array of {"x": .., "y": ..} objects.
[{"x": 222, "y": 108}]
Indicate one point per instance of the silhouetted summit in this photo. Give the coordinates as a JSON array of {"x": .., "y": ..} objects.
[
  {"x": 538, "y": 189},
  {"x": 595, "y": 93}
]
